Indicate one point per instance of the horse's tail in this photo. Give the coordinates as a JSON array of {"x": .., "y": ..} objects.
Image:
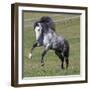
[{"x": 67, "y": 48}]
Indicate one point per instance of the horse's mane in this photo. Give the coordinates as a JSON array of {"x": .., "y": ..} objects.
[{"x": 47, "y": 21}]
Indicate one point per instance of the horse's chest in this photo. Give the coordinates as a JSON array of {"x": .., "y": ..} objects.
[{"x": 47, "y": 39}]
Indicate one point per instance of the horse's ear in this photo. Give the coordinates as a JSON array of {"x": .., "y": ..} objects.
[{"x": 35, "y": 24}]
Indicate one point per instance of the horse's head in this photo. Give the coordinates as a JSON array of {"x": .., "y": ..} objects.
[{"x": 40, "y": 28}]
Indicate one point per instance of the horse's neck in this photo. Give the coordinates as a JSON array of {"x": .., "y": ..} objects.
[{"x": 50, "y": 35}]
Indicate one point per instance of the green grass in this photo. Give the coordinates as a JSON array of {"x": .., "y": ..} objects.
[{"x": 71, "y": 31}]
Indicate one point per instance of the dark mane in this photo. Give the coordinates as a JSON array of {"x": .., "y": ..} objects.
[
  {"x": 47, "y": 21},
  {"x": 45, "y": 27}
]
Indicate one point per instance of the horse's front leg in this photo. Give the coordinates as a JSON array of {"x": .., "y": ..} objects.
[
  {"x": 43, "y": 54},
  {"x": 30, "y": 54}
]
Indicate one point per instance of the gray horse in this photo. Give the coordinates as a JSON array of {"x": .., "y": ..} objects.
[{"x": 47, "y": 37}]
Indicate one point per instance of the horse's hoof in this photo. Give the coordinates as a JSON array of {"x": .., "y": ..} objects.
[
  {"x": 30, "y": 56},
  {"x": 63, "y": 68},
  {"x": 42, "y": 64}
]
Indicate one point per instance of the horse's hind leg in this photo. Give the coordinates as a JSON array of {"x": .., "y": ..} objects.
[
  {"x": 60, "y": 57},
  {"x": 67, "y": 62},
  {"x": 66, "y": 54}
]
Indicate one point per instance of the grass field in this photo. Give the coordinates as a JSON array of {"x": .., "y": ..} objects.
[{"x": 70, "y": 30}]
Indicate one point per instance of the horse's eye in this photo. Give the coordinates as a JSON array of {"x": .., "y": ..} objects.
[{"x": 38, "y": 29}]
